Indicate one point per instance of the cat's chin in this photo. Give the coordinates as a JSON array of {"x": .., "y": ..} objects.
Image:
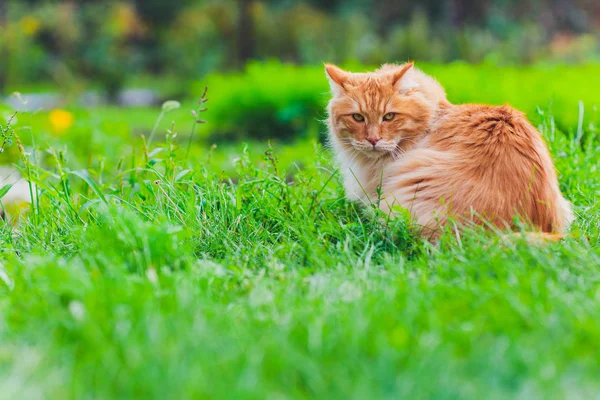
[{"x": 374, "y": 154}]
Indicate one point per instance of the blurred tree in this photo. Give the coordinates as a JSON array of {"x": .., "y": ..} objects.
[
  {"x": 160, "y": 13},
  {"x": 387, "y": 14},
  {"x": 245, "y": 31},
  {"x": 328, "y": 5},
  {"x": 469, "y": 12},
  {"x": 159, "y": 16},
  {"x": 107, "y": 40}
]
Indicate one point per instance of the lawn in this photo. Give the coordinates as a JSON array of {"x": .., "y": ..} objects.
[{"x": 151, "y": 271}]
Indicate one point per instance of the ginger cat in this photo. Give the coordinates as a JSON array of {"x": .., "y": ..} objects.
[{"x": 400, "y": 142}]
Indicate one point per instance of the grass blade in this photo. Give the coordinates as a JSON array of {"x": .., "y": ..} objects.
[{"x": 84, "y": 175}]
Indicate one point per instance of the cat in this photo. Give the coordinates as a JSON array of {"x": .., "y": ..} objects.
[{"x": 400, "y": 142}]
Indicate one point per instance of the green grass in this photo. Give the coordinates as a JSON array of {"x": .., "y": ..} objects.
[{"x": 244, "y": 273}]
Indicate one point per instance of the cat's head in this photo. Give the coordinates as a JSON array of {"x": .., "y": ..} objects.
[{"x": 379, "y": 113}]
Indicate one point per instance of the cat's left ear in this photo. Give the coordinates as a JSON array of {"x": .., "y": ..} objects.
[
  {"x": 407, "y": 83},
  {"x": 337, "y": 77}
]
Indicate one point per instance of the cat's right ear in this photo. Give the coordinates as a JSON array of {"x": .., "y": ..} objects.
[{"x": 337, "y": 77}]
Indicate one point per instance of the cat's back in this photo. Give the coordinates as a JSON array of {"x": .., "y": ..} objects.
[
  {"x": 484, "y": 159},
  {"x": 480, "y": 128},
  {"x": 491, "y": 142}
]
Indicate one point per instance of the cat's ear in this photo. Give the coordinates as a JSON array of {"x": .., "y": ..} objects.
[
  {"x": 337, "y": 77},
  {"x": 408, "y": 82}
]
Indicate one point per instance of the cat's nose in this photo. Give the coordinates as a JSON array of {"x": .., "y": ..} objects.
[{"x": 373, "y": 141}]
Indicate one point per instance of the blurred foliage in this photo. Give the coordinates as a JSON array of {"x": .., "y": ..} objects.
[
  {"x": 275, "y": 100},
  {"x": 286, "y": 102},
  {"x": 72, "y": 42},
  {"x": 265, "y": 101}
]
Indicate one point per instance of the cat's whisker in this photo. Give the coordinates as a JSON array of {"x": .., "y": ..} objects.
[
  {"x": 354, "y": 160},
  {"x": 397, "y": 153}
]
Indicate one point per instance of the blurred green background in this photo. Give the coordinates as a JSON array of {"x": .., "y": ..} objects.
[
  {"x": 69, "y": 43},
  {"x": 111, "y": 64}
]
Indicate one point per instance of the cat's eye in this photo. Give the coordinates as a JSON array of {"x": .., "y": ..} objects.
[
  {"x": 358, "y": 118},
  {"x": 389, "y": 116}
]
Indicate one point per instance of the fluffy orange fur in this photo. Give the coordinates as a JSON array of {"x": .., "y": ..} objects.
[{"x": 399, "y": 142}]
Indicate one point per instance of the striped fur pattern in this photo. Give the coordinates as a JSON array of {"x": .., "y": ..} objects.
[{"x": 399, "y": 142}]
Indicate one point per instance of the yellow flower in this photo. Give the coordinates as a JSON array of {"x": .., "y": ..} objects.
[
  {"x": 61, "y": 120},
  {"x": 30, "y": 25}
]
